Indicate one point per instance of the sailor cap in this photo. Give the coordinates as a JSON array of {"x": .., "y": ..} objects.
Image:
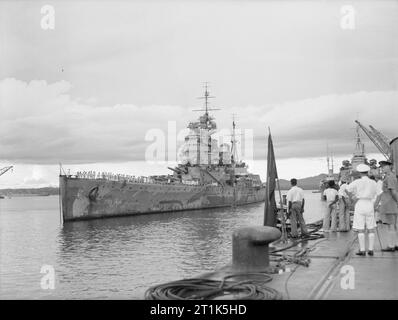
[{"x": 363, "y": 168}]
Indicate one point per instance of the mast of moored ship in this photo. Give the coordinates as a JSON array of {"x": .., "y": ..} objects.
[
  {"x": 327, "y": 157},
  {"x": 234, "y": 157},
  {"x": 207, "y": 125}
]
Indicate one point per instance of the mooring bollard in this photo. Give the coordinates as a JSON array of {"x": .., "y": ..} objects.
[{"x": 250, "y": 248}]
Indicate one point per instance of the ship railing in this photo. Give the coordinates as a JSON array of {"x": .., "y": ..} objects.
[
  {"x": 92, "y": 175},
  {"x": 108, "y": 176}
]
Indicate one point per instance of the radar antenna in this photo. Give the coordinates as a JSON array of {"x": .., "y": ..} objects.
[{"x": 206, "y": 97}]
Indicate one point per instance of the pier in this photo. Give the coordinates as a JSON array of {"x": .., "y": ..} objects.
[{"x": 334, "y": 272}]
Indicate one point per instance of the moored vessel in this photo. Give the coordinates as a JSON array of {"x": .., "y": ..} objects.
[{"x": 208, "y": 176}]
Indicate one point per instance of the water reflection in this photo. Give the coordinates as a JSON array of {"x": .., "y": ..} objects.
[
  {"x": 112, "y": 258},
  {"x": 147, "y": 249}
]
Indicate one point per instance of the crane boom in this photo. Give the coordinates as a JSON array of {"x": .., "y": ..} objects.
[
  {"x": 5, "y": 169},
  {"x": 382, "y": 138},
  {"x": 379, "y": 140}
]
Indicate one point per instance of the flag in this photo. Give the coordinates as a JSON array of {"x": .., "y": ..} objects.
[{"x": 270, "y": 209}]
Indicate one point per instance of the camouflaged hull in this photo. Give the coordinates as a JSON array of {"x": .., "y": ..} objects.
[{"x": 98, "y": 198}]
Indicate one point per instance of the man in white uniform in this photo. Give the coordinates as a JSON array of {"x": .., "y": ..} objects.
[
  {"x": 364, "y": 190},
  {"x": 295, "y": 199},
  {"x": 332, "y": 197}
]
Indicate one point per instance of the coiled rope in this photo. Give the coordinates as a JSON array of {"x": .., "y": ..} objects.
[{"x": 251, "y": 287}]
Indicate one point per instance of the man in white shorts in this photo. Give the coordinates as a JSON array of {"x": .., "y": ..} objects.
[{"x": 364, "y": 190}]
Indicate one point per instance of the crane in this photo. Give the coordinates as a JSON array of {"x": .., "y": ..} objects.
[
  {"x": 382, "y": 138},
  {"x": 5, "y": 169},
  {"x": 378, "y": 139}
]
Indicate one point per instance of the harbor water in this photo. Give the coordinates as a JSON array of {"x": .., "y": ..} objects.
[{"x": 114, "y": 258}]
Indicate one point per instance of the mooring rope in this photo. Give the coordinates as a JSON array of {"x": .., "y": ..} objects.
[
  {"x": 208, "y": 289},
  {"x": 250, "y": 287}
]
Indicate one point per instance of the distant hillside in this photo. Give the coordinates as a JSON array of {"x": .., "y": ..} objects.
[
  {"x": 310, "y": 183},
  {"x": 30, "y": 191}
]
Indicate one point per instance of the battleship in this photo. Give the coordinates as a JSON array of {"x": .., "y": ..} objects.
[{"x": 206, "y": 176}]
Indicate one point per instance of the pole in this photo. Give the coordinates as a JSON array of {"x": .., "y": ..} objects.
[
  {"x": 59, "y": 195},
  {"x": 60, "y": 205},
  {"x": 283, "y": 221}
]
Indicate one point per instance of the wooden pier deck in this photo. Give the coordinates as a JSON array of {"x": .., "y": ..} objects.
[
  {"x": 335, "y": 272},
  {"x": 333, "y": 260}
]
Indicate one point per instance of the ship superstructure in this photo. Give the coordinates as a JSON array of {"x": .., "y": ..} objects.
[
  {"x": 207, "y": 176},
  {"x": 348, "y": 169},
  {"x": 358, "y": 156}
]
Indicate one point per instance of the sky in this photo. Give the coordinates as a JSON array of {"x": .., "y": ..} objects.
[{"x": 89, "y": 92}]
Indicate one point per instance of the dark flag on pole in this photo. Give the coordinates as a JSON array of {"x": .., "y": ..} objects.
[{"x": 270, "y": 209}]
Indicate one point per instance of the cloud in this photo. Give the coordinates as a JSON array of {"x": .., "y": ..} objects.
[
  {"x": 35, "y": 182},
  {"x": 304, "y": 128},
  {"x": 27, "y": 176},
  {"x": 43, "y": 123}
]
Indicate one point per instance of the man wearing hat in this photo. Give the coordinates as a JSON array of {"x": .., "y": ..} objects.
[
  {"x": 388, "y": 200},
  {"x": 364, "y": 190},
  {"x": 374, "y": 170}
]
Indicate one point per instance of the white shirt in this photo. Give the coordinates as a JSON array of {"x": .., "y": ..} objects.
[
  {"x": 379, "y": 185},
  {"x": 363, "y": 188},
  {"x": 295, "y": 194},
  {"x": 379, "y": 189},
  {"x": 330, "y": 194},
  {"x": 343, "y": 191}
]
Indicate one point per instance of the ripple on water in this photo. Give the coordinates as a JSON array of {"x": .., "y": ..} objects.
[{"x": 114, "y": 258}]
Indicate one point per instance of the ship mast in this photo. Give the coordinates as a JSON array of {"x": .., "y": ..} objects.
[
  {"x": 234, "y": 154},
  {"x": 233, "y": 157},
  {"x": 327, "y": 157},
  {"x": 206, "y": 125},
  {"x": 359, "y": 147},
  {"x": 359, "y": 152},
  {"x": 206, "y": 97}
]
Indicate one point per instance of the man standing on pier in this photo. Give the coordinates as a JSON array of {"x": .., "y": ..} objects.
[
  {"x": 344, "y": 207},
  {"x": 295, "y": 209},
  {"x": 388, "y": 200},
  {"x": 332, "y": 197},
  {"x": 364, "y": 191}
]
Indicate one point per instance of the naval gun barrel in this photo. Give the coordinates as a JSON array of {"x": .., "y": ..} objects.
[{"x": 176, "y": 170}]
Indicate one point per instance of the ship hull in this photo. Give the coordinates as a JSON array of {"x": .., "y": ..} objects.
[{"x": 83, "y": 199}]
